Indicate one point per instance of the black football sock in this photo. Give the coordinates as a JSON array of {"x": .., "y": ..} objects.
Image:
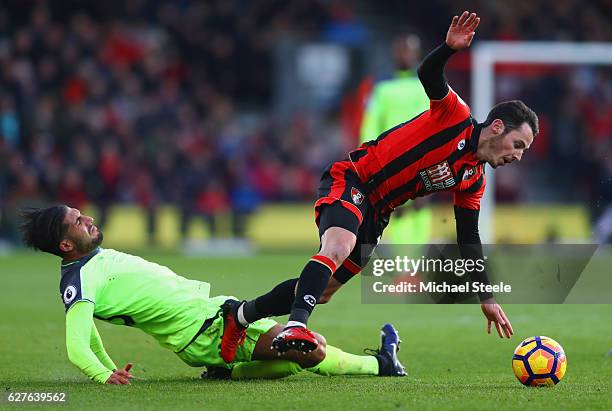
[
  {"x": 312, "y": 283},
  {"x": 383, "y": 364},
  {"x": 276, "y": 302}
]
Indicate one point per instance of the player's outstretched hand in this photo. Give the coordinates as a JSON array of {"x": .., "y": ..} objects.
[
  {"x": 121, "y": 376},
  {"x": 495, "y": 314},
  {"x": 462, "y": 30}
]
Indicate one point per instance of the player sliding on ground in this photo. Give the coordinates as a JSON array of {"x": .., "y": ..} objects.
[
  {"x": 177, "y": 312},
  {"x": 442, "y": 149}
]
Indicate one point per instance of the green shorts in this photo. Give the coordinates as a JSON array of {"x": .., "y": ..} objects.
[{"x": 206, "y": 349}]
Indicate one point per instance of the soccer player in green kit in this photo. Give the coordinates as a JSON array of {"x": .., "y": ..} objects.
[
  {"x": 392, "y": 102},
  {"x": 177, "y": 312}
]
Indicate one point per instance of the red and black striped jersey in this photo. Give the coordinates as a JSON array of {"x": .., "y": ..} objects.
[{"x": 435, "y": 151}]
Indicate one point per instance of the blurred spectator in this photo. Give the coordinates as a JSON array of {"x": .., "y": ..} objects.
[{"x": 72, "y": 189}]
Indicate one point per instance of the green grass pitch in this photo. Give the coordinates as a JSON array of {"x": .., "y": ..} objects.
[{"x": 452, "y": 363}]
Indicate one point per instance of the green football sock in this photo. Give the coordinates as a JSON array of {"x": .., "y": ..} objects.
[
  {"x": 338, "y": 362},
  {"x": 264, "y": 369}
]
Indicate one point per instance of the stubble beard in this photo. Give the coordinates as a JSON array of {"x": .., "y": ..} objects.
[{"x": 87, "y": 247}]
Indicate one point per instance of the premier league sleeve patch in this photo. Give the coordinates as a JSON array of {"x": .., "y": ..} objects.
[
  {"x": 70, "y": 293},
  {"x": 70, "y": 287}
]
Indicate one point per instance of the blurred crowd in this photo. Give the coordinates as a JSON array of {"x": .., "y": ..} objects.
[
  {"x": 150, "y": 103},
  {"x": 544, "y": 20},
  {"x": 154, "y": 102}
]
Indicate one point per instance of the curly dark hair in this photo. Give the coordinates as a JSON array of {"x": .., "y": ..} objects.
[{"x": 43, "y": 228}]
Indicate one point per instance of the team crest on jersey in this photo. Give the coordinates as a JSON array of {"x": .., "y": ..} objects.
[
  {"x": 468, "y": 173},
  {"x": 461, "y": 144},
  {"x": 438, "y": 177},
  {"x": 356, "y": 196},
  {"x": 70, "y": 294}
]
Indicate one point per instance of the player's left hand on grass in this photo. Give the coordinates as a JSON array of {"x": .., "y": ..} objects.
[
  {"x": 496, "y": 315},
  {"x": 121, "y": 376},
  {"x": 462, "y": 30}
]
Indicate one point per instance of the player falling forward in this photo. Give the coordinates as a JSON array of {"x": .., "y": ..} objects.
[
  {"x": 442, "y": 149},
  {"x": 177, "y": 312}
]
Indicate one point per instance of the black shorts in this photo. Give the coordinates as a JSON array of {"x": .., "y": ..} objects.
[{"x": 343, "y": 202}]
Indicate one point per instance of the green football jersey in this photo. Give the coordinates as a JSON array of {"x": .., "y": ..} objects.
[
  {"x": 393, "y": 102},
  {"x": 129, "y": 290}
]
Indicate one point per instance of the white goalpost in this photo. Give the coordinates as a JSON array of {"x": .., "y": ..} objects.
[{"x": 485, "y": 55}]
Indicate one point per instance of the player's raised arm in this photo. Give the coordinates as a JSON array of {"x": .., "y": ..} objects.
[{"x": 459, "y": 36}]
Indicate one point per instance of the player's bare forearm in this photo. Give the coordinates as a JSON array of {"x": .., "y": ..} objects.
[{"x": 462, "y": 30}]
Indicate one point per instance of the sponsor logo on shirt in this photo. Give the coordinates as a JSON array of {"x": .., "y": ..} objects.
[
  {"x": 438, "y": 177},
  {"x": 461, "y": 144}
]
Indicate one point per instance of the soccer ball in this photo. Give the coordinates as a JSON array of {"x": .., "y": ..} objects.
[{"x": 539, "y": 361}]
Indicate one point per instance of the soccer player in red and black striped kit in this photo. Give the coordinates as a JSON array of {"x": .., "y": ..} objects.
[{"x": 442, "y": 149}]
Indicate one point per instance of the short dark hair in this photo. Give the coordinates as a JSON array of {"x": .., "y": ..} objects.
[
  {"x": 514, "y": 113},
  {"x": 43, "y": 228}
]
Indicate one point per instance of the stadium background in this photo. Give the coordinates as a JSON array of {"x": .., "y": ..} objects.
[{"x": 175, "y": 123}]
